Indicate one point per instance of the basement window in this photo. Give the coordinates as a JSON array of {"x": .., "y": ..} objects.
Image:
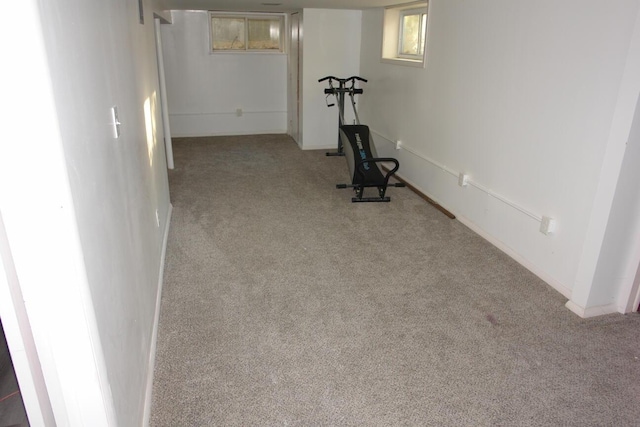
[
  {"x": 405, "y": 34},
  {"x": 246, "y": 32}
]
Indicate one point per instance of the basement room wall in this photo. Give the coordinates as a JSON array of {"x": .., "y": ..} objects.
[
  {"x": 620, "y": 254},
  {"x": 331, "y": 46},
  {"x": 100, "y": 56},
  {"x": 519, "y": 96},
  {"x": 205, "y": 90}
]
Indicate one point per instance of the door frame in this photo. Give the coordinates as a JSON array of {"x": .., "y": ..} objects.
[{"x": 22, "y": 346}]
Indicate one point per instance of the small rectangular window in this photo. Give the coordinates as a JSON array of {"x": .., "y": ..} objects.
[
  {"x": 246, "y": 33},
  {"x": 228, "y": 33},
  {"x": 264, "y": 33},
  {"x": 413, "y": 29},
  {"x": 405, "y": 34}
]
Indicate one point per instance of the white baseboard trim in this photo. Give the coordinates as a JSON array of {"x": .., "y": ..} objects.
[
  {"x": 558, "y": 286},
  {"x": 551, "y": 281},
  {"x": 591, "y": 311},
  {"x": 211, "y": 124},
  {"x": 555, "y": 284},
  {"x": 230, "y": 133},
  {"x": 320, "y": 147},
  {"x": 154, "y": 336}
]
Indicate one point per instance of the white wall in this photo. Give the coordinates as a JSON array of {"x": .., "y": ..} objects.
[
  {"x": 204, "y": 90},
  {"x": 331, "y": 47},
  {"x": 519, "y": 95},
  {"x": 597, "y": 287},
  {"x": 80, "y": 207},
  {"x": 620, "y": 254}
]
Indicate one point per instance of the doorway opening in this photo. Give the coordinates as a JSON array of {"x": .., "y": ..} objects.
[{"x": 12, "y": 411}]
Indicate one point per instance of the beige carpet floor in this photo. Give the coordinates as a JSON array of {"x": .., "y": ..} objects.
[{"x": 285, "y": 304}]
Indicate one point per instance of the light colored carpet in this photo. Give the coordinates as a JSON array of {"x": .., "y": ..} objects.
[{"x": 286, "y": 304}]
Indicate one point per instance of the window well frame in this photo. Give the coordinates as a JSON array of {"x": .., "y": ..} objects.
[
  {"x": 246, "y": 17},
  {"x": 392, "y": 33}
]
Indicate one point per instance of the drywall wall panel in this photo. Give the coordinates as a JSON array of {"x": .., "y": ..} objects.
[
  {"x": 331, "y": 47},
  {"x": 518, "y": 95},
  {"x": 620, "y": 253},
  {"x": 101, "y": 56},
  {"x": 588, "y": 288},
  {"x": 41, "y": 254},
  {"x": 222, "y": 93}
]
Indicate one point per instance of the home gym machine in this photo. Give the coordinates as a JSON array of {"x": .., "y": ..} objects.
[
  {"x": 356, "y": 144},
  {"x": 339, "y": 93}
]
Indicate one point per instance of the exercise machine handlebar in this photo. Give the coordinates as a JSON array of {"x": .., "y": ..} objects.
[
  {"x": 329, "y": 91},
  {"x": 356, "y": 78},
  {"x": 340, "y": 88},
  {"x": 329, "y": 78},
  {"x": 360, "y": 166},
  {"x": 338, "y": 79}
]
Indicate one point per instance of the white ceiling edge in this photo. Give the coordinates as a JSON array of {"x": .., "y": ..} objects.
[{"x": 276, "y": 5}]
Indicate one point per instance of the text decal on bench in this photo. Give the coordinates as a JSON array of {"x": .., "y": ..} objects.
[{"x": 363, "y": 154}]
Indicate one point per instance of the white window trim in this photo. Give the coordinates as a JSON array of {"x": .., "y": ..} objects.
[
  {"x": 248, "y": 15},
  {"x": 403, "y": 13},
  {"x": 391, "y": 35}
]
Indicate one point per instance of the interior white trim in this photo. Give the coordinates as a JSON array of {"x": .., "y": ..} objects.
[
  {"x": 555, "y": 284},
  {"x": 22, "y": 347},
  {"x": 636, "y": 301},
  {"x": 206, "y": 124},
  {"x": 234, "y": 133},
  {"x": 154, "y": 337},
  {"x": 404, "y": 62},
  {"x": 320, "y": 147},
  {"x": 162, "y": 85},
  {"x": 591, "y": 311},
  {"x": 228, "y": 113},
  {"x": 455, "y": 174}
]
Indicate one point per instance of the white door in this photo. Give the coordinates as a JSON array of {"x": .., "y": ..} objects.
[{"x": 294, "y": 79}]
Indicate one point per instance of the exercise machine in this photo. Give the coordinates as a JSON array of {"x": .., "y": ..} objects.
[
  {"x": 355, "y": 142},
  {"x": 339, "y": 93}
]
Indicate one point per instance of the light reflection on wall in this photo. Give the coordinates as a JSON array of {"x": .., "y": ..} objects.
[{"x": 150, "y": 125}]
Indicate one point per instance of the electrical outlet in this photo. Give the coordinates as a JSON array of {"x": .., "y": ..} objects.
[
  {"x": 239, "y": 112},
  {"x": 398, "y": 144},
  {"x": 463, "y": 179},
  {"x": 547, "y": 225}
]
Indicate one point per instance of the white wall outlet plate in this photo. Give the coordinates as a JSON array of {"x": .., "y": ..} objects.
[
  {"x": 463, "y": 179},
  {"x": 547, "y": 225},
  {"x": 398, "y": 144}
]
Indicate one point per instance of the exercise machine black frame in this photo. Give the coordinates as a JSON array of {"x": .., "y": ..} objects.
[{"x": 357, "y": 138}]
